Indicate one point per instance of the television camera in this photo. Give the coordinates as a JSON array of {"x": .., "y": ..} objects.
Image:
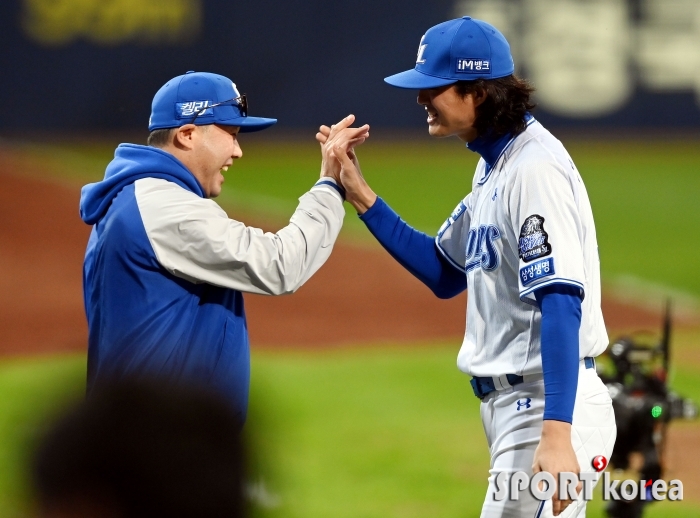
[{"x": 637, "y": 378}]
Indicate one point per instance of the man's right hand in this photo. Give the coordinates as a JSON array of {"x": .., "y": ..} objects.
[
  {"x": 327, "y": 137},
  {"x": 357, "y": 192}
]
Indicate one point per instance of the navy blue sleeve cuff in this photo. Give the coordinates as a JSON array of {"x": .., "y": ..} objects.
[{"x": 334, "y": 185}]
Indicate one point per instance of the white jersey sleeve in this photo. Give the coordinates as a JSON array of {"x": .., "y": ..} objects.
[
  {"x": 545, "y": 217},
  {"x": 451, "y": 238},
  {"x": 194, "y": 239}
]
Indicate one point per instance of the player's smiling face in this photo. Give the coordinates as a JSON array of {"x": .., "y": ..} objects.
[
  {"x": 216, "y": 149},
  {"x": 449, "y": 113}
]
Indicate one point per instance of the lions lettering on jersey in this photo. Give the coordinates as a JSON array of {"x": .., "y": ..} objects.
[{"x": 481, "y": 250}]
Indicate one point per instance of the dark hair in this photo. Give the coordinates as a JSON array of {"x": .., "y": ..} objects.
[
  {"x": 160, "y": 137},
  {"x": 507, "y": 102},
  {"x": 143, "y": 449}
]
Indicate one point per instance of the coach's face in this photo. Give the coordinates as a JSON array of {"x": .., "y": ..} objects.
[
  {"x": 449, "y": 113},
  {"x": 214, "y": 148}
]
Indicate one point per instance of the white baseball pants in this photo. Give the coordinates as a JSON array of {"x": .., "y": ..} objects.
[{"x": 512, "y": 420}]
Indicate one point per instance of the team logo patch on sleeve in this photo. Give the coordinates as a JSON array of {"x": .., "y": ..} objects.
[
  {"x": 543, "y": 268},
  {"x": 533, "y": 242}
]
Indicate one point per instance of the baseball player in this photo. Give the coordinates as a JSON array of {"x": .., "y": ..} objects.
[
  {"x": 165, "y": 267},
  {"x": 523, "y": 243}
]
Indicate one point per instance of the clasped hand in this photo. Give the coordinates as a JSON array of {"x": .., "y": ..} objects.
[{"x": 339, "y": 161}]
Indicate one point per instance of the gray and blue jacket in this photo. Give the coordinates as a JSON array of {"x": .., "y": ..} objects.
[{"x": 165, "y": 269}]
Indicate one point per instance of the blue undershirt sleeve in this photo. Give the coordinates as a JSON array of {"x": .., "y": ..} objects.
[
  {"x": 414, "y": 250},
  {"x": 560, "y": 305}
]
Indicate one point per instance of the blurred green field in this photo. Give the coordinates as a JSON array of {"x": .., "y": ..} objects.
[
  {"x": 643, "y": 192},
  {"x": 375, "y": 432}
]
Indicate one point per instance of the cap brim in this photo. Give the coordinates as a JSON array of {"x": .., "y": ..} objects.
[
  {"x": 249, "y": 124},
  {"x": 417, "y": 80}
]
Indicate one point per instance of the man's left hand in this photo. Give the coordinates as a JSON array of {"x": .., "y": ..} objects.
[{"x": 555, "y": 455}]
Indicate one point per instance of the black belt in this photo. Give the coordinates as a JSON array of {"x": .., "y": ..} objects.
[{"x": 484, "y": 385}]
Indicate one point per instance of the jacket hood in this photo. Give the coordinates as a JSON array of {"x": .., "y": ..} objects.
[{"x": 133, "y": 162}]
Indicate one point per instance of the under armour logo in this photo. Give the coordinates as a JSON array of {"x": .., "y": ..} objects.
[
  {"x": 495, "y": 194},
  {"x": 526, "y": 404}
]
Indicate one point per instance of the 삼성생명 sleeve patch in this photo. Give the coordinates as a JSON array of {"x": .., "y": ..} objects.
[{"x": 533, "y": 242}]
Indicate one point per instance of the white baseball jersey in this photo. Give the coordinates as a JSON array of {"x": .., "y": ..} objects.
[{"x": 526, "y": 224}]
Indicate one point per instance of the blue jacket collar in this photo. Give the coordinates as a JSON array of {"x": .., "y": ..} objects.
[{"x": 133, "y": 162}]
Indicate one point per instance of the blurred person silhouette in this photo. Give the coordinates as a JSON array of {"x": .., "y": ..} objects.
[{"x": 141, "y": 448}]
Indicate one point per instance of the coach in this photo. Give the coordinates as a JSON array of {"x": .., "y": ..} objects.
[{"x": 165, "y": 266}]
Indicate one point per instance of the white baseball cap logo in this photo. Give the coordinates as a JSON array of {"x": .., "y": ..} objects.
[{"x": 421, "y": 50}]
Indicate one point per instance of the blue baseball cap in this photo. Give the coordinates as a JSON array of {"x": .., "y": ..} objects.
[
  {"x": 457, "y": 50},
  {"x": 205, "y": 99}
]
